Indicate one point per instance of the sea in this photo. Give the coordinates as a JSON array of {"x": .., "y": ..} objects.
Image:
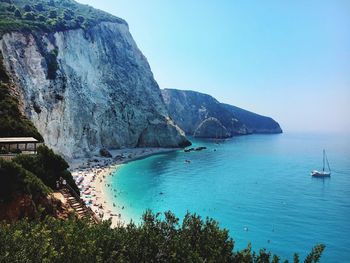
[{"x": 258, "y": 187}]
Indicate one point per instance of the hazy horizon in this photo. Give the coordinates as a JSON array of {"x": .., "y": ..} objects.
[{"x": 287, "y": 60}]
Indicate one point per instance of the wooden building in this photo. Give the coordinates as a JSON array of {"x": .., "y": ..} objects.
[{"x": 10, "y": 146}]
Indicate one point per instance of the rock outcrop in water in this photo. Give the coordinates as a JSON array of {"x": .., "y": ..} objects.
[
  {"x": 86, "y": 89},
  {"x": 203, "y": 116}
]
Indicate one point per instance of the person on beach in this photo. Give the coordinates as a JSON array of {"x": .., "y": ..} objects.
[{"x": 57, "y": 184}]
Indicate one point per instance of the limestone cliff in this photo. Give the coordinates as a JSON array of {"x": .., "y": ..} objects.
[
  {"x": 189, "y": 109},
  {"x": 211, "y": 128},
  {"x": 203, "y": 116},
  {"x": 254, "y": 123},
  {"x": 85, "y": 89}
]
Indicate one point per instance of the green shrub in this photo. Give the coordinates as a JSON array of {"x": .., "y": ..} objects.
[
  {"x": 18, "y": 13},
  {"x": 29, "y": 16},
  {"x": 11, "y": 8},
  {"x": 52, "y": 22},
  {"x": 15, "y": 179},
  {"x": 47, "y": 166},
  {"x": 154, "y": 240},
  {"x": 68, "y": 14},
  {"x": 53, "y": 14},
  {"x": 3, "y": 73},
  {"x": 51, "y": 3},
  {"x": 6, "y": 1},
  {"x": 27, "y": 8},
  {"x": 61, "y": 25},
  {"x": 51, "y": 59},
  {"x": 3, "y": 151},
  {"x": 12, "y": 122},
  {"x": 15, "y": 151},
  {"x": 41, "y": 18},
  {"x": 39, "y": 7},
  {"x": 80, "y": 19}
]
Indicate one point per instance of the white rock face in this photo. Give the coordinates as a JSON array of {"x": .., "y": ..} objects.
[
  {"x": 201, "y": 115},
  {"x": 211, "y": 128},
  {"x": 103, "y": 94}
]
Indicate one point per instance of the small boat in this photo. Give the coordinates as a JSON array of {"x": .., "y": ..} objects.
[{"x": 322, "y": 173}]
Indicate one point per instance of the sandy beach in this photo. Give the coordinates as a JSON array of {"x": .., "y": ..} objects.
[{"x": 90, "y": 175}]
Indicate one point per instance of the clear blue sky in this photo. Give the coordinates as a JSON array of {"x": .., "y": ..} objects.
[{"x": 285, "y": 59}]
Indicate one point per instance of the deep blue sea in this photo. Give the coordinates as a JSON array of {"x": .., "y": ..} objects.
[{"x": 257, "y": 186}]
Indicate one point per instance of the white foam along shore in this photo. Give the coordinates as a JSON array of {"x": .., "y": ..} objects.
[{"x": 90, "y": 175}]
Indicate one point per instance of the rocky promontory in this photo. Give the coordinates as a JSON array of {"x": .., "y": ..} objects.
[{"x": 201, "y": 115}]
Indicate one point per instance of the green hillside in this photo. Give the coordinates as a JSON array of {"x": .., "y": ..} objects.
[{"x": 49, "y": 15}]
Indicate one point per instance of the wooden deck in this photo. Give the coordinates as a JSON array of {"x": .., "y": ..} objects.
[
  {"x": 10, "y": 156},
  {"x": 10, "y": 146}
]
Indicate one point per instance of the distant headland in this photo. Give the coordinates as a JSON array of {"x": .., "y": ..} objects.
[{"x": 200, "y": 115}]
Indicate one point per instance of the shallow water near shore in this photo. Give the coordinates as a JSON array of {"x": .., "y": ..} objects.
[{"x": 258, "y": 186}]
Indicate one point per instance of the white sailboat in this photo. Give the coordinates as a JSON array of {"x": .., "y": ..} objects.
[{"x": 322, "y": 173}]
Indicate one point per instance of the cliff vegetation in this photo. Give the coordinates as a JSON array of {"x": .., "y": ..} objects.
[
  {"x": 49, "y": 15},
  {"x": 26, "y": 182},
  {"x": 12, "y": 121},
  {"x": 16, "y": 179}
]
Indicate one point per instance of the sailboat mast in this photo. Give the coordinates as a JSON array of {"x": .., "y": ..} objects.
[{"x": 323, "y": 158}]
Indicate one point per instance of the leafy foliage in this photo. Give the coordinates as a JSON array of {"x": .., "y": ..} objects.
[
  {"x": 16, "y": 179},
  {"x": 52, "y": 64},
  {"x": 48, "y": 16},
  {"x": 155, "y": 240},
  {"x": 17, "y": 13},
  {"x": 12, "y": 121},
  {"x": 315, "y": 254},
  {"x": 29, "y": 16},
  {"x": 47, "y": 166}
]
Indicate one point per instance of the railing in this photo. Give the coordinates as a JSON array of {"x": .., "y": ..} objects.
[
  {"x": 10, "y": 156},
  {"x": 77, "y": 196}
]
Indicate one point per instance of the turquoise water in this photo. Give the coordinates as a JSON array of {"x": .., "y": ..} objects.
[{"x": 259, "y": 187}]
